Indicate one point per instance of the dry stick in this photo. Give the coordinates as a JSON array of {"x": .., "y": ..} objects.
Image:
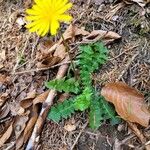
[
  {"x": 139, "y": 134},
  {"x": 84, "y": 126},
  {"x": 34, "y": 139},
  {"x": 41, "y": 69},
  {"x": 127, "y": 66}
]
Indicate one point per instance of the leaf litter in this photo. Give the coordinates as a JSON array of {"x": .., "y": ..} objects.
[{"x": 33, "y": 108}]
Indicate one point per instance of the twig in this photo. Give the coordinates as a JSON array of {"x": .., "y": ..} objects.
[
  {"x": 139, "y": 134},
  {"x": 127, "y": 66},
  {"x": 22, "y": 52},
  {"x": 85, "y": 125},
  {"x": 41, "y": 69},
  {"x": 34, "y": 139}
]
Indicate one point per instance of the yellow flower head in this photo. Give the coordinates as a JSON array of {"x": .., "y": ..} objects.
[{"x": 45, "y": 16}]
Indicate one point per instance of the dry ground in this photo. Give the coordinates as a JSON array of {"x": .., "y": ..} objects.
[{"x": 129, "y": 62}]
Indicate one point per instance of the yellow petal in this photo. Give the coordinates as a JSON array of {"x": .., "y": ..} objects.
[
  {"x": 30, "y": 25},
  {"x": 65, "y": 18},
  {"x": 39, "y": 2},
  {"x": 30, "y": 18},
  {"x": 42, "y": 28},
  {"x": 35, "y": 28},
  {"x": 65, "y": 8},
  {"x": 32, "y": 12},
  {"x": 45, "y": 30},
  {"x": 54, "y": 26},
  {"x": 61, "y": 4}
]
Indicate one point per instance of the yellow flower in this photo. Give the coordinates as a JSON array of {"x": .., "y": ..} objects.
[{"x": 45, "y": 16}]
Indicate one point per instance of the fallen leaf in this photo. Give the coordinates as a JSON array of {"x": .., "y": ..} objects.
[
  {"x": 60, "y": 52},
  {"x": 4, "y": 111},
  {"x": 48, "y": 61},
  {"x": 20, "y": 124},
  {"x": 23, "y": 138},
  {"x": 63, "y": 97},
  {"x": 27, "y": 102},
  {"x": 129, "y": 103},
  {"x": 4, "y": 79},
  {"x": 40, "y": 98},
  {"x": 73, "y": 31},
  {"x": 16, "y": 109},
  {"x": 6, "y": 135},
  {"x": 70, "y": 127},
  {"x": 106, "y": 36},
  {"x": 2, "y": 55},
  {"x": 3, "y": 98}
]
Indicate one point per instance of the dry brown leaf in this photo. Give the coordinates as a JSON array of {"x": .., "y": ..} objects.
[
  {"x": 23, "y": 138},
  {"x": 28, "y": 129},
  {"x": 16, "y": 109},
  {"x": 2, "y": 55},
  {"x": 3, "y": 98},
  {"x": 40, "y": 98},
  {"x": 106, "y": 36},
  {"x": 60, "y": 52},
  {"x": 48, "y": 61},
  {"x": 4, "y": 79},
  {"x": 63, "y": 97},
  {"x": 27, "y": 102},
  {"x": 70, "y": 127},
  {"x": 4, "y": 111},
  {"x": 73, "y": 31},
  {"x": 129, "y": 103},
  {"x": 6, "y": 135},
  {"x": 20, "y": 123}
]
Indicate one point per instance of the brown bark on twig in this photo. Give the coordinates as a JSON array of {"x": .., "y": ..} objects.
[
  {"x": 34, "y": 139},
  {"x": 139, "y": 134}
]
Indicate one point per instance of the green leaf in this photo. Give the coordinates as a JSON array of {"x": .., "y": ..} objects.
[
  {"x": 82, "y": 102},
  {"x": 61, "y": 110},
  {"x": 91, "y": 58},
  {"x": 109, "y": 112},
  {"x": 96, "y": 113},
  {"x": 70, "y": 85}
]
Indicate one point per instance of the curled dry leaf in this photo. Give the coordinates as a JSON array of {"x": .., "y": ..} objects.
[
  {"x": 3, "y": 98},
  {"x": 129, "y": 103},
  {"x": 27, "y": 102},
  {"x": 48, "y": 61},
  {"x": 23, "y": 138},
  {"x": 73, "y": 31},
  {"x": 106, "y": 36},
  {"x": 6, "y": 135},
  {"x": 60, "y": 51},
  {"x": 20, "y": 123},
  {"x": 16, "y": 109},
  {"x": 4, "y": 111}
]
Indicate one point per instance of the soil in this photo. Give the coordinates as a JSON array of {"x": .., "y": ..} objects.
[{"x": 21, "y": 49}]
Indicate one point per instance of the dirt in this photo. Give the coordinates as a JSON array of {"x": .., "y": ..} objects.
[{"x": 129, "y": 61}]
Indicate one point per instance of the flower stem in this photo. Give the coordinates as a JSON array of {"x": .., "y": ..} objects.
[{"x": 67, "y": 50}]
